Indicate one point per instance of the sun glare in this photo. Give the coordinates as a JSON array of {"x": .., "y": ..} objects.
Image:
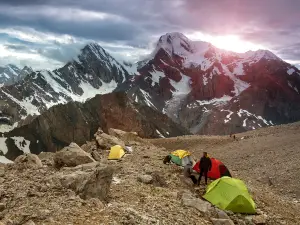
[{"x": 227, "y": 42}]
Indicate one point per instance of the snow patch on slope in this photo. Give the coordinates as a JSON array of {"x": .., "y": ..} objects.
[
  {"x": 181, "y": 87},
  {"x": 239, "y": 69},
  {"x": 3, "y": 147},
  {"x": 239, "y": 85},
  {"x": 22, "y": 144},
  {"x": 156, "y": 76},
  {"x": 228, "y": 117},
  {"x": 4, "y": 160},
  {"x": 215, "y": 101},
  {"x": 162, "y": 136},
  {"x": 147, "y": 98},
  {"x": 89, "y": 91},
  {"x": 6, "y": 128},
  {"x": 290, "y": 71},
  {"x": 242, "y": 112},
  {"x": 25, "y": 104}
]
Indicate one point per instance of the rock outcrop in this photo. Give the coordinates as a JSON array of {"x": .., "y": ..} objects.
[
  {"x": 106, "y": 141},
  {"x": 94, "y": 184},
  {"x": 202, "y": 206},
  {"x": 28, "y": 161},
  {"x": 126, "y": 137},
  {"x": 71, "y": 156}
]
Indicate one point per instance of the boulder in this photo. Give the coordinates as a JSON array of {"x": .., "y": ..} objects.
[
  {"x": 96, "y": 156},
  {"x": 71, "y": 156},
  {"x": 87, "y": 185},
  {"x": 83, "y": 167},
  {"x": 106, "y": 141},
  {"x": 221, "y": 214},
  {"x": 146, "y": 179},
  {"x": 2, "y": 171},
  {"x": 29, "y": 222},
  {"x": 259, "y": 219},
  {"x": 47, "y": 158},
  {"x": 89, "y": 146},
  {"x": 28, "y": 160},
  {"x": 123, "y": 135},
  {"x": 189, "y": 200},
  {"x": 222, "y": 221},
  {"x": 2, "y": 207}
]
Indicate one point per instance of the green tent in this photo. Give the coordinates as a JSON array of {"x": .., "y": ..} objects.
[
  {"x": 176, "y": 160},
  {"x": 230, "y": 194},
  {"x": 181, "y": 157}
]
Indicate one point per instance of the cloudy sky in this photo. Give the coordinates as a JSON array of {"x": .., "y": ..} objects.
[{"x": 47, "y": 33}]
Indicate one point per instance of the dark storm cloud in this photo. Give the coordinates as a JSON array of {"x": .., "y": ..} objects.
[
  {"x": 271, "y": 23},
  {"x": 291, "y": 52}
]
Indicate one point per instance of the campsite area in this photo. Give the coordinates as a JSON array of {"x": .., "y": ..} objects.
[{"x": 146, "y": 191}]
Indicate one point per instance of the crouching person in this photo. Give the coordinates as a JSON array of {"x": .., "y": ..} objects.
[{"x": 187, "y": 172}]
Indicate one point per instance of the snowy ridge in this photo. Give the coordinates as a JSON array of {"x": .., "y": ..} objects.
[
  {"x": 93, "y": 72},
  {"x": 11, "y": 74}
]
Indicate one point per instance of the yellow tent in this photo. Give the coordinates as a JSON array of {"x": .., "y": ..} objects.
[
  {"x": 181, "y": 153},
  {"x": 116, "y": 152}
]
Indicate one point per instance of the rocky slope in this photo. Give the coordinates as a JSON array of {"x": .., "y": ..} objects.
[
  {"x": 11, "y": 74},
  {"x": 93, "y": 72},
  {"x": 62, "y": 124},
  {"x": 141, "y": 189},
  {"x": 212, "y": 91}
]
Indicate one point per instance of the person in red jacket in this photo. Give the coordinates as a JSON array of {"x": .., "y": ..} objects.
[{"x": 204, "y": 167}]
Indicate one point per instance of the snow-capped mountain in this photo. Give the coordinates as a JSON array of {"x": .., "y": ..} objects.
[
  {"x": 212, "y": 91},
  {"x": 93, "y": 72},
  {"x": 205, "y": 89},
  {"x": 11, "y": 74}
]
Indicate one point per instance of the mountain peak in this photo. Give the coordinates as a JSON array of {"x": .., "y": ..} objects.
[
  {"x": 261, "y": 53},
  {"x": 175, "y": 43}
]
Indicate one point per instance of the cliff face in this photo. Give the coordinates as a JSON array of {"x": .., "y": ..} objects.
[{"x": 77, "y": 122}]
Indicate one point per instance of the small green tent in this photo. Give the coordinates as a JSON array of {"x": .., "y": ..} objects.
[
  {"x": 230, "y": 194},
  {"x": 181, "y": 157}
]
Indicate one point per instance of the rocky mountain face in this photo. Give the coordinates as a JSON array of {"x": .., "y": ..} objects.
[
  {"x": 93, "y": 72},
  {"x": 212, "y": 91},
  {"x": 11, "y": 74},
  {"x": 77, "y": 122},
  {"x": 205, "y": 89}
]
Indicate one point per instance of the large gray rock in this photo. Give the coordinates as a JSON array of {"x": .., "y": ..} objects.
[
  {"x": 146, "y": 179},
  {"x": 106, "y": 141},
  {"x": 2, "y": 171},
  {"x": 83, "y": 167},
  {"x": 189, "y": 200},
  {"x": 222, "y": 221},
  {"x": 96, "y": 155},
  {"x": 30, "y": 222},
  {"x": 47, "y": 158},
  {"x": 94, "y": 184},
  {"x": 2, "y": 207},
  {"x": 28, "y": 161},
  {"x": 123, "y": 135},
  {"x": 221, "y": 214},
  {"x": 259, "y": 219},
  {"x": 71, "y": 156}
]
